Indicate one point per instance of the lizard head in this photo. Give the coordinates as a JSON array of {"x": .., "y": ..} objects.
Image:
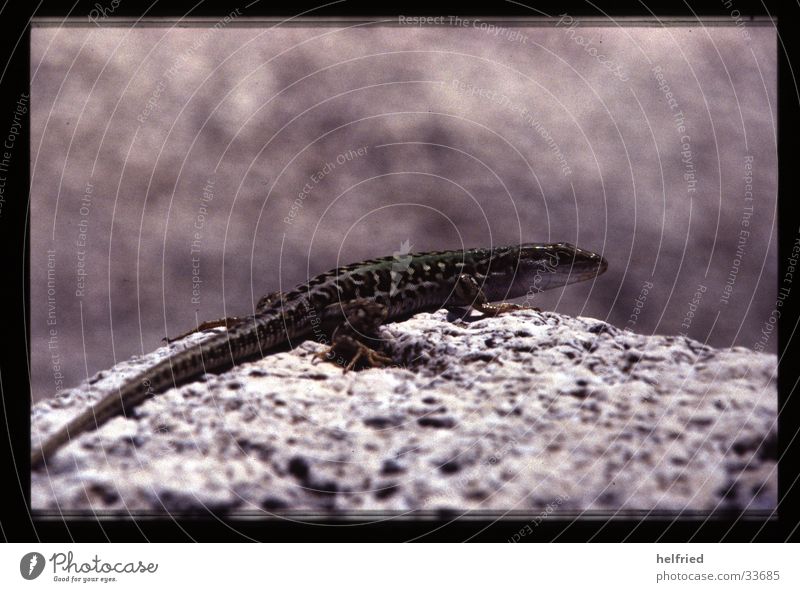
[{"x": 543, "y": 266}]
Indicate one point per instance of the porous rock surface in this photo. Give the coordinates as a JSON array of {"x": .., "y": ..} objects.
[{"x": 524, "y": 413}]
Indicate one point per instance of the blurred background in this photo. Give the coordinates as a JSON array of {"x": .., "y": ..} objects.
[{"x": 180, "y": 173}]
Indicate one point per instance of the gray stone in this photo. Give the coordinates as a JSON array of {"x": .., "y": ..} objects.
[{"x": 527, "y": 412}]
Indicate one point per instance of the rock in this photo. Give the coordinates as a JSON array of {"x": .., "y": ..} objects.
[{"x": 520, "y": 412}]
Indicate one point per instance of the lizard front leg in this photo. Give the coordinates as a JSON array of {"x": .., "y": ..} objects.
[
  {"x": 468, "y": 292},
  {"x": 360, "y": 322}
]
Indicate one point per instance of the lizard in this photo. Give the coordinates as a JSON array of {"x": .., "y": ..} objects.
[{"x": 348, "y": 303}]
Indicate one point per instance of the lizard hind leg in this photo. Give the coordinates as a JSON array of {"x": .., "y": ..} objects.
[
  {"x": 228, "y": 322},
  {"x": 359, "y": 325},
  {"x": 271, "y": 300},
  {"x": 264, "y": 304}
]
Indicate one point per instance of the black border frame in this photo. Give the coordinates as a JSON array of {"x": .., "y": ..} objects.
[{"x": 16, "y": 522}]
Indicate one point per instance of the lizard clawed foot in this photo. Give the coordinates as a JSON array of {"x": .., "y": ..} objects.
[
  {"x": 469, "y": 292},
  {"x": 348, "y": 349},
  {"x": 373, "y": 358},
  {"x": 494, "y": 310},
  {"x": 359, "y": 319},
  {"x": 328, "y": 355}
]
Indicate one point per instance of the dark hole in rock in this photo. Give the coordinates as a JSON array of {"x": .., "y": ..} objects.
[
  {"x": 391, "y": 467},
  {"x": 450, "y": 467},
  {"x": 387, "y": 491},
  {"x": 436, "y": 422},
  {"x": 299, "y": 467}
]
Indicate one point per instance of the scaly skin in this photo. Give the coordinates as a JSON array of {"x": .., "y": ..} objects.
[{"x": 350, "y": 303}]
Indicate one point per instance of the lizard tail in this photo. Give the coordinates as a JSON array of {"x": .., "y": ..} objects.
[
  {"x": 116, "y": 403},
  {"x": 214, "y": 355},
  {"x": 166, "y": 374}
]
